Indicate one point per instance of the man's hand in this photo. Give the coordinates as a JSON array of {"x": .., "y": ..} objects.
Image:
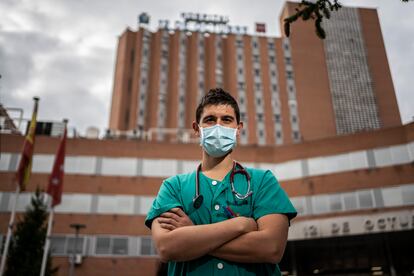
[{"x": 173, "y": 219}]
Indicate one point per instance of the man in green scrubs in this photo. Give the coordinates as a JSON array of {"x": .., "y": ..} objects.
[{"x": 238, "y": 231}]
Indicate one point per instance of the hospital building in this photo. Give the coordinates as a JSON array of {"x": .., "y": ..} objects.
[{"x": 322, "y": 115}]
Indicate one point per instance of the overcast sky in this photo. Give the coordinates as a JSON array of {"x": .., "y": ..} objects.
[{"x": 64, "y": 50}]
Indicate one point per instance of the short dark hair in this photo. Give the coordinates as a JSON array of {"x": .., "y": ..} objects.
[{"x": 217, "y": 96}]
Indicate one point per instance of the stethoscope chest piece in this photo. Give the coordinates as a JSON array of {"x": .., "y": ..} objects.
[{"x": 197, "y": 201}]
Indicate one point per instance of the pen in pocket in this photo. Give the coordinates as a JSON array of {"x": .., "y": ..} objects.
[{"x": 229, "y": 212}]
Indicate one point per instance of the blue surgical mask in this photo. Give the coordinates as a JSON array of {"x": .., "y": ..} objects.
[{"x": 218, "y": 140}]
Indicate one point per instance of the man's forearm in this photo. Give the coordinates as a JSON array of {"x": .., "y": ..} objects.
[
  {"x": 264, "y": 246},
  {"x": 191, "y": 242},
  {"x": 252, "y": 247}
]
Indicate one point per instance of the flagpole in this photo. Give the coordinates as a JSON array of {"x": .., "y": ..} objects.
[
  {"x": 9, "y": 231},
  {"x": 54, "y": 189},
  {"x": 47, "y": 243},
  {"x": 22, "y": 178}
]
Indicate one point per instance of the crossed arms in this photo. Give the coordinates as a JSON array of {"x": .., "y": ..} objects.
[{"x": 239, "y": 239}]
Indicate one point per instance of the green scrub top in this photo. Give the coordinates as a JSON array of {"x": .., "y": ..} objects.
[{"x": 267, "y": 198}]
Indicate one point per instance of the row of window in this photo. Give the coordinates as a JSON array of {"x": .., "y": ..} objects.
[
  {"x": 219, "y": 63},
  {"x": 242, "y": 97},
  {"x": 294, "y": 122},
  {"x": 275, "y": 93},
  {"x": 384, "y": 197},
  {"x": 258, "y": 94},
  {"x": 356, "y": 200},
  {"x": 162, "y": 95},
  {"x": 353, "y": 96},
  {"x": 182, "y": 82},
  {"x": 92, "y": 165},
  {"x": 87, "y": 245},
  {"x": 143, "y": 85},
  {"x": 200, "y": 92}
]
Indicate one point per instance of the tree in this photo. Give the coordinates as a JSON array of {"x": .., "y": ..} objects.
[
  {"x": 315, "y": 10},
  {"x": 26, "y": 248}
]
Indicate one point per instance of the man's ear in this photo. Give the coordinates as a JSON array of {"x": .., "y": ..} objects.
[
  {"x": 239, "y": 128},
  {"x": 196, "y": 129}
]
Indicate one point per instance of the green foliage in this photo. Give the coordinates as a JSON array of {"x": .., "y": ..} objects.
[
  {"x": 26, "y": 247},
  {"x": 317, "y": 11}
]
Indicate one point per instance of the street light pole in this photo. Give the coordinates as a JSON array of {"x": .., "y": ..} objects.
[{"x": 77, "y": 227}]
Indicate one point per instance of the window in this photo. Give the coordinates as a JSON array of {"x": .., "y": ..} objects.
[
  {"x": 271, "y": 45},
  {"x": 350, "y": 201},
  {"x": 146, "y": 246},
  {"x": 299, "y": 203},
  {"x": 103, "y": 246},
  {"x": 296, "y": 135},
  {"x": 289, "y": 74},
  {"x": 71, "y": 245},
  {"x": 257, "y": 72},
  {"x": 120, "y": 246},
  {"x": 335, "y": 203},
  {"x": 365, "y": 199},
  {"x": 320, "y": 204},
  {"x": 288, "y": 60},
  {"x": 58, "y": 245},
  {"x": 111, "y": 246},
  {"x": 272, "y": 59},
  {"x": 408, "y": 194},
  {"x": 254, "y": 44},
  {"x": 277, "y": 118},
  {"x": 256, "y": 58}
]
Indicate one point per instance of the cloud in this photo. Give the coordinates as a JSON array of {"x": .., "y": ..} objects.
[{"x": 64, "y": 51}]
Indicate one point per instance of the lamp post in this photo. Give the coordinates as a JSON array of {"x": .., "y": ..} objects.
[{"x": 77, "y": 227}]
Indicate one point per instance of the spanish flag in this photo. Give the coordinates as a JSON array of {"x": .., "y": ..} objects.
[
  {"x": 25, "y": 165},
  {"x": 55, "y": 186}
]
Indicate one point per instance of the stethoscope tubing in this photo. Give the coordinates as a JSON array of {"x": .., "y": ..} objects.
[{"x": 198, "y": 198}]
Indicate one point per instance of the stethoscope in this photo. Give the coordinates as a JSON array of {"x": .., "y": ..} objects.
[{"x": 198, "y": 198}]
